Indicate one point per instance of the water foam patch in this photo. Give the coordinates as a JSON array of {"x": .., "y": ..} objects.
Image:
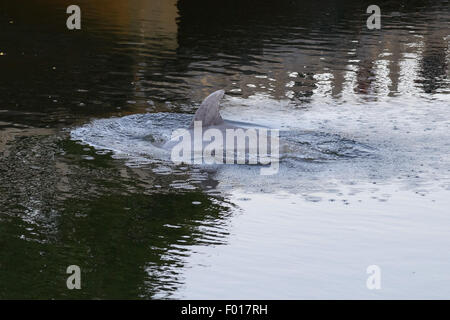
[{"x": 395, "y": 140}]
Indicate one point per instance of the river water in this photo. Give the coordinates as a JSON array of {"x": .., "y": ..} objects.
[{"x": 365, "y": 114}]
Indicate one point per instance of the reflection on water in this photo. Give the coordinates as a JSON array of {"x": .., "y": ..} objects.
[
  {"x": 134, "y": 229},
  {"x": 129, "y": 239},
  {"x": 163, "y": 55}
]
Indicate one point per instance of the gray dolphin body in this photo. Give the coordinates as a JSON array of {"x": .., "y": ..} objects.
[
  {"x": 208, "y": 112},
  {"x": 209, "y": 116},
  {"x": 254, "y": 150}
]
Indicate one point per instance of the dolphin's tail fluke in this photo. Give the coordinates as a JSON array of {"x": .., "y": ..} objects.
[{"x": 208, "y": 112}]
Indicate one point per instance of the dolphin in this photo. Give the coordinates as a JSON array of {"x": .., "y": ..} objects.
[
  {"x": 207, "y": 115},
  {"x": 243, "y": 142},
  {"x": 208, "y": 112}
]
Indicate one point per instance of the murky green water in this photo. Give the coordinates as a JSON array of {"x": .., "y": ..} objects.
[{"x": 367, "y": 182}]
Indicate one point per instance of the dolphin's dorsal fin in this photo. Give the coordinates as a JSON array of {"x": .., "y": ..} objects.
[{"x": 208, "y": 112}]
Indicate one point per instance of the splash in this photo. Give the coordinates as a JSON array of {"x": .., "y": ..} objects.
[{"x": 371, "y": 143}]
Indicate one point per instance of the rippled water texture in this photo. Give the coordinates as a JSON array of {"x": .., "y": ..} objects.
[{"x": 364, "y": 174}]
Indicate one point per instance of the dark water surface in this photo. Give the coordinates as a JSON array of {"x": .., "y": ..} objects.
[{"x": 365, "y": 108}]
